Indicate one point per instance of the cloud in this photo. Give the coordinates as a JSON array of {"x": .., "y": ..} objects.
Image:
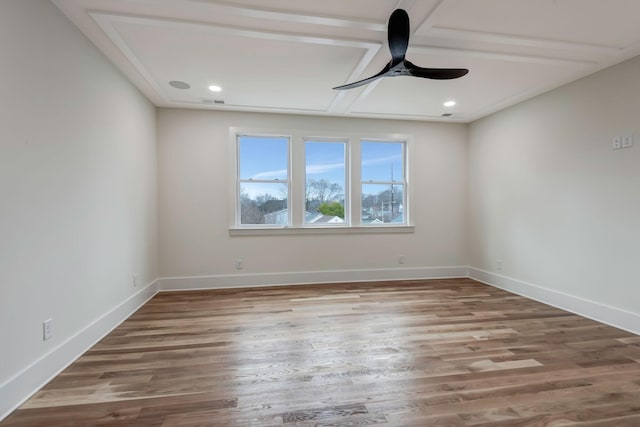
[
  {"x": 379, "y": 160},
  {"x": 270, "y": 174},
  {"x": 276, "y": 191},
  {"x": 322, "y": 168}
]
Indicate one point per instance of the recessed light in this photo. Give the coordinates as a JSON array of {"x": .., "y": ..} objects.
[
  {"x": 449, "y": 103},
  {"x": 179, "y": 85},
  {"x": 214, "y": 88}
]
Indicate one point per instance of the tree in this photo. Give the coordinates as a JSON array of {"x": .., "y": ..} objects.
[
  {"x": 370, "y": 201},
  {"x": 320, "y": 191},
  {"x": 249, "y": 211},
  {"x": 273, "y": 205},
  {"x": 332, "y": 209}
]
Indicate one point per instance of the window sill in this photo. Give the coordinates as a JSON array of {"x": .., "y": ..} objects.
[{"x": 285, "y": 231}]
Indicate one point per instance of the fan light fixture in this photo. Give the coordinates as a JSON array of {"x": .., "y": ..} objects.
[{"x": 398, "y": 37}]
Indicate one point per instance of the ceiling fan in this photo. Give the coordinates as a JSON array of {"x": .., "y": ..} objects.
[{"x": 398, "y": 36}]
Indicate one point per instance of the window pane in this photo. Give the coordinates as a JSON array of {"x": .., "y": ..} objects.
[
  {"x": 325, "y": 182},
  {"x": 263, "y": 157},
  {"x": 382, "y": 161},
  {"x": 264, "y": 203},
  {"x": 382, "y": 203}
]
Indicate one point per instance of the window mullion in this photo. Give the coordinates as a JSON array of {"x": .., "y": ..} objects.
[
  {"x": 355, "y": 184},
  {"x": 296, "y": 183}
]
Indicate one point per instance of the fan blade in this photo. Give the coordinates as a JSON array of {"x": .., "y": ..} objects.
[
  {"x": 398, "y": 34},
  {"x": 363, "y": 82},
  {"x": 435, "y": 73}
]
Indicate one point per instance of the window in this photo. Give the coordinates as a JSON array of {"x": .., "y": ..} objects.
[
  {"x": 383, "y": 182},
  {"x": 314, "y": 184},
  {"x": 263, "y": 180},
  {"x": 325, "y": 182}
]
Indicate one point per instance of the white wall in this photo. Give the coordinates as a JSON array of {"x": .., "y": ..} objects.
[
  {"x": 77, "y": 187},
  {"x": 194, "y": 181},
  {"x": 553, "y": 201}
]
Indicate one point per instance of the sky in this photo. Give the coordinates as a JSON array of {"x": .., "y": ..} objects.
[{"x": 265, "y": 158}]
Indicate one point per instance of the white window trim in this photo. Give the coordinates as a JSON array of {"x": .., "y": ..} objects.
[
  {"x": 283, "y": 231},
  {"x": 297, "y": 179}
]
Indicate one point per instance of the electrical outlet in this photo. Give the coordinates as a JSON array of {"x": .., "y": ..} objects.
[
  {"x": 627, "y": 141},
  {"x": 239, "y": 264},
  {"x": 401, "y": 259},
  {"x": 47, "y": 329},
  {"x": 499, "y": 264},
  {"x": 135, "y": 280},
  {"x": 616, "y": 144}
]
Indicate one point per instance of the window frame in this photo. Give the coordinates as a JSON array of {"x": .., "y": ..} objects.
[
  {"x": 297, "y": 181},
  {"x": 239, "y": 180},
  {"x": 347, "y": 187},
  {"x": 403, "y": 183}
]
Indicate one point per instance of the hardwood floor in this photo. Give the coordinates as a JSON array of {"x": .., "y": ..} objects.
[{"x": 425, "y": 353}]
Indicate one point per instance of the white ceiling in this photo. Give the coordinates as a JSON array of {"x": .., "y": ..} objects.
[{"x": 286, "y": 55}]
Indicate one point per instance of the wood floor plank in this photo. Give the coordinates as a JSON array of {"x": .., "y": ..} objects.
[{"x": 450, "y": 352}]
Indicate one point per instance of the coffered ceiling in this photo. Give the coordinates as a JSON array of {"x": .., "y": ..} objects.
[{"x": 286, "y": 55}]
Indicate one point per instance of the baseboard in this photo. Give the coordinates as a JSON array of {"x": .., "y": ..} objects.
[
  {"x": 307, "y": 277},
  {"x": 17, "y": 389},
  {"x": 619, "y": 318}
]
